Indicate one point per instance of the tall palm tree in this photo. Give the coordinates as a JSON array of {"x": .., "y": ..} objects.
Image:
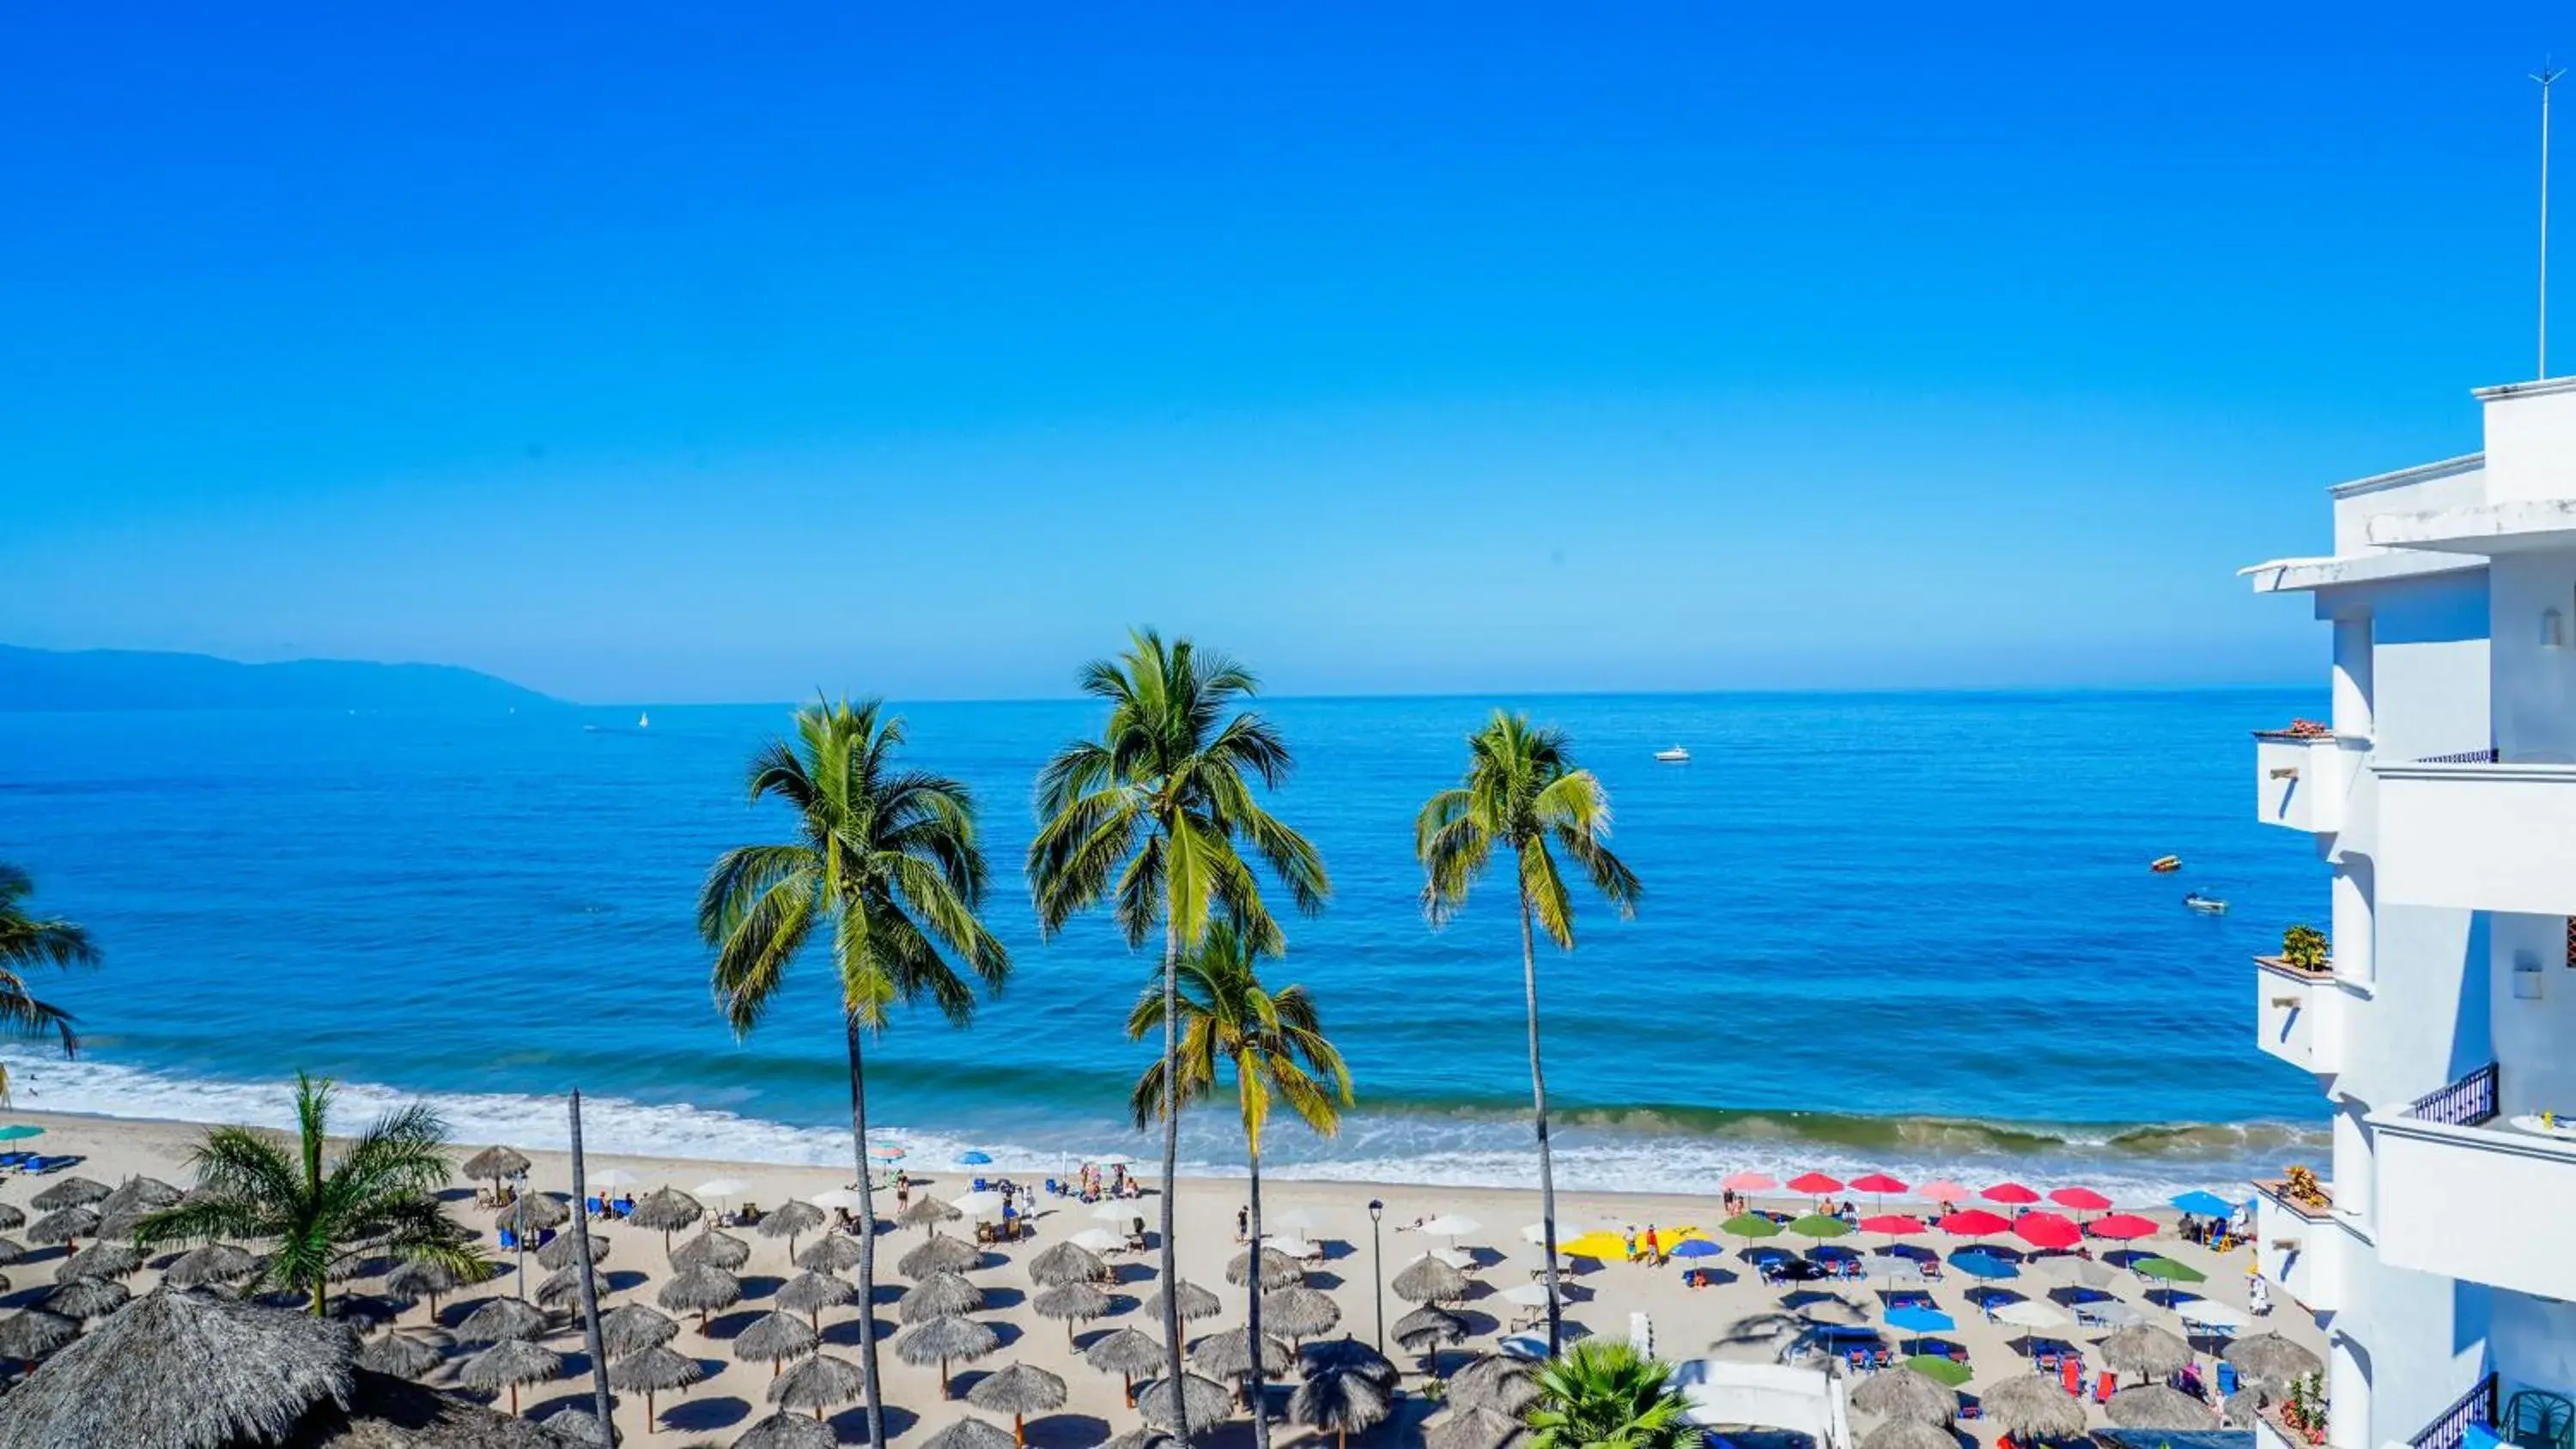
[
  {"x": 320, "y": 1211},
  {"x": 1606, "y": 1395},
  {"x": 886, "y": 859},
  {"x": 28, "y": 940},
  {"x": 1523, "y": 793},
  {"x": 1275, "y": 1045},
  {"x": 1152, "y": 817}
]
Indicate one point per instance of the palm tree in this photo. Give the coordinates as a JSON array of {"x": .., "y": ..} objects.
[
  {"x": 1523, "y": 793},
  {"x": 887, "y": 859},
  {"x": 1606, "y": 1395},
  {"x": 1151, "y": 816},
  {"x": 1275, "y": 1044},
  {"x": 25, "y": 941},
  {"x": 320, "y": 1212}
]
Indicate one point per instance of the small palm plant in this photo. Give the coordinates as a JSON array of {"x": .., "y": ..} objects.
[
  {"x": 1606, "y": 1395},
  {"x": 29, "y": 940},
  {"x": 316, "y": 1211}
]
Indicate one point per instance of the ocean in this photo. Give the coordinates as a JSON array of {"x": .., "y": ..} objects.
[{"x": 1907, "y": 931}]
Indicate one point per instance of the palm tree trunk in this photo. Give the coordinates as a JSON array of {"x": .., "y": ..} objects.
[
  {"x": 867, "y": 1242},
  {"x": 321, "y": 1296},
  {"x": 1171, "y": 1152},
  {"x": 1538, "y": 1113},
  {"x": 1260, "y": 1382},
  {"x": 601, "y": 1404}
]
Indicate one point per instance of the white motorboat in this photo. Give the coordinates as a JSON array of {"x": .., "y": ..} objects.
[{"x": 1674, "y": 756}]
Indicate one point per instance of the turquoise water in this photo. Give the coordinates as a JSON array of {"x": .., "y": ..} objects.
[{"x": 1913, "y": 930}]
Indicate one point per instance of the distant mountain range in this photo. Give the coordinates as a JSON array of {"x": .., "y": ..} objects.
[{"x": 116, "y": 679}]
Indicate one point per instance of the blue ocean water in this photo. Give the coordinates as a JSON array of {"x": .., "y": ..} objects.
[{"x": 1910, "y": 930}]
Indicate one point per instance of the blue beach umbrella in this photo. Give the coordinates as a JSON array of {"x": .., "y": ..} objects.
[
  {"x": 1984, "y": 1265},
  {"x": 1921, "y": 1320},
  {"x": 976, "y": 1158},
  {"x": 2205, "y": 1205},
  {"x": 1697, "y": 1248}
]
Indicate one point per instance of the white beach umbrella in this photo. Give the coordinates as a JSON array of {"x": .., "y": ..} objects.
[
  {"x": 986, "y": 1204},
  {"x": 614, "y": 1177},
  {"x": 2030, "y": 1313},
  {"x": 1098, "y": 1240},
  {"x": 1526, "y": 1295},
  {"x": 1112, "y": 1211},
  {"x": 2211, "y": 1313},
  {"x": 721, "y": 1188},
  {"x": 835, "y": 1198},
  {"x": 1292, "y": 1245},
  {"x": 1452, "y": 1226},
  {"x": 1458, "y": 1258},
  {"x": 1294, "y": 1220},
  {"x": 1535, "y": 1234}
]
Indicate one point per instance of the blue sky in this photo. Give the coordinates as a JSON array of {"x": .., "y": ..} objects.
[{"x": 669, "y": 353}]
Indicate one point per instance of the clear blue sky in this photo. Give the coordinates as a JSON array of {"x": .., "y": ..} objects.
[{"x": 686, "y": 352}]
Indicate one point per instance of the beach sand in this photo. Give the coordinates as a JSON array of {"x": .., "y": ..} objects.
[{"x": 1686, "y": 1322}]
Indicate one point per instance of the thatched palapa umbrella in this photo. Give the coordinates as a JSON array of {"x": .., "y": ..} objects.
[
  {"x": 204, "y": 1372},
  {"x": 1494, "y": 1382},
  {"x": 666, "y": 1211},
  {"x": 67, "y": 1226},
  {"x": 31, "y": 1333},
  {"x": 509, "y": 1364},
  {"x": 942, "y": 1340},
  {"x": 564, "y": 1250},
  {"x": 2154, "y": 1406},
  {"x": 773, "y": 1338},
  {"x": 940, "y": 1255},
  {"x": 148, "y": 1193},
  {"x": 811, "y": 1293},
  {"x": 1426, "y": 1330},
  {"x": 565, "y": 1287},
  {"x": 2143, "y": 1348},
  {"x": 941, "y": 1295},
  {"x": 500, "y": 1320},
  {"x": 793, "y": 1219},
  {"x": 2240, "y": 1409},
  {"x": 1073, "y": 1303},
  {"x": 1299, "y": 1312},
  {"x": 929, "y": 1213},
  {"x": 1909, "y": 1434},
  {"x": 576, "y": 1426},
  {"x": 1904, "y": 1393},
  {"x": 214, "y": 1263},
  {"x": 1145, "y": 1438},
  {"x": 1125, "y": 1353},
  {"x": 1472, "y": 1426},
  {"x": 1067, "y": 1263},
  {"x": 1429, "y": 1280},
  {"x": 1278, "y": 1270},
  {"x": 1228, "y": 1354},
  {"x": 784, "y": 1430},
  {"x": 712, "y": 1249},
  {"x": 100, "y": 1260},
  {"x": 970, "y": 1433},
  {"x": 818, "y": 1382},
  {"x": 2027, "y": 1406},
  {"x": 830, "y": 1253},
  {"x": 421, "y": 1278},
  {"x": 495, "y": 1163},
  {"x": 1196, "y": 1404},
  {"x": 1347, "y": 1355},
  {"x": 12, "y": 1217},
  {"x": 653, "y": 1370},
  {"x": 11, "y": 1252},
  {"x": 531, "y": 1213},
  {"x": 1343, "y": 1403},
  {"x": 1196, "y": 1302},
  {"x": 633, "y": 1328},
  {"x": 70, "y": 1192},
  {"x": 2268, "y": 1358},
  {"x": 404, "y": 1355},
  {"x": 1019, "y": 1391},
  {"x": 86, "y": 1298},
  {"x": 700, "y": 1291}
]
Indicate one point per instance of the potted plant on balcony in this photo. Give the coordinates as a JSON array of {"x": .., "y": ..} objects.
[
  {"x": 2300, "y": 1186},
  {"x": 2303, "y": 1413},
  {"x": 2304, "y": 948}
]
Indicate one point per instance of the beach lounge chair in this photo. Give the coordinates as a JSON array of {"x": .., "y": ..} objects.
[
  {"x": 1859, "y": 1360},
  {"x": 1886, "y": 1357},
  {"x": 2070, "y": 1375},
  {"x": 2103, "y": 1383},
  {"x": 509, "y": 1239},
  {"x": 2226, "y": 1378},
  {"x": 1931, "y": 1270}
]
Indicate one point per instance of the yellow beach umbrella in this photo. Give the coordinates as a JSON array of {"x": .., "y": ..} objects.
[
  {"x": 1679, "y": 1235},
  {"x": 1595, "y": 1245}
]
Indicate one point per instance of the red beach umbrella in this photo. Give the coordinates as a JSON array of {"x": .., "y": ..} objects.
[
  {"x": 1895, "y": 1225},
  {"x": 2010, "y": 1192},
  {"x": 1749, "y": 1182},
  {"x": 2048, "y": 1230},
  {"x": 1815, "y": 1182},
  {"x": 2082, "y": 1199},
  {"x": 1877, "y": 1182},
  {"x": 2122, "y": 1226},
  {"x": 1974, "y": 1223}
]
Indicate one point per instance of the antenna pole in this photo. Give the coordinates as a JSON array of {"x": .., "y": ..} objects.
[{"x": 2547, "y": 76}]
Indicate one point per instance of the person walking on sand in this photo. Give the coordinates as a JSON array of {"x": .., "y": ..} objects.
[
  {"x": 1242, "y": 1222},
  {"x": 1628, "y": 1241},
  {"x": 902, "y": 1191},
  {"x": 1654, "y": 1247}
]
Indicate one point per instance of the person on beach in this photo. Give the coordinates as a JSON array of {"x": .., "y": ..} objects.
[
  {"x": 902, "y": 1191},
  {"x": 1628, "y": 1241},
  {"x": 1654, "y": 1247},
  {"x": 1242, "y": 1222}
]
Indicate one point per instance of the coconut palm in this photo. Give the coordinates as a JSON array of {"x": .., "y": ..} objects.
[
  {"x": 1606, "y": 1395},
  {"x": 1274, "y": 1044},
  {"x": 1151, "y": 817},
  {"x": 886, "y": 860},
  {"x": 28, "y": 940},
  {"x": 1522, "y": 793},
  {"x": 320, "y": 1212}
]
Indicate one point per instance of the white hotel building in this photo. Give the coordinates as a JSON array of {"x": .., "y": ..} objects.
[{"x": 2444, "y": 804}]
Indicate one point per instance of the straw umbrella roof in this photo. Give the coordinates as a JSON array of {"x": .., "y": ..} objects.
[
  {"x": 201, "y": 1372},
  {"x": 1429, "y": 1280},
  {"x": 565, "y": 1250},
  {"x": 422, "y": 1277},
  {"x": 404, "y": 1355},
  {"x": 773, "y": 1337},
  {"x": 213, "y": 1263},
  {"x": 941, "y": 1295},
  {"x": 144, "y": 1192},
  {"x": 100, "y": 1260},
  {"x": 565, "y": 1287},
  {"x": 1472, "y": 1426},
  {"x": 700, "y": 1290},
  {"x": 510, "y": 1364},
  {"x": 1145, "y": 1438},
  {"x": 70, "y": 1192},
  {"x": 1909, "y": 1434},
  {"x": 496, "y": 1162},
  {"x": 1299, "y": 1311},
  {"x": 1496, "y": 1383},
  {"x": 665, "y": 1210},
  {"x": 2143, "y": 1348},
  {"x": 12, "y": 1217},
  {"x": 971, "y": 1433},
  {"x": 1228, "y": 1354},
  {"x": 633, "y": 1328},
  {"x": 791, "y": 1219},
  {"x": 2028, "y": 1406},
  {"x": 2154, "y": 1406},
  {"x": 927, "y": 1211},
  {"x": 1196, "y": 1302},
  {"x": 939, "y": 1340},
  {"x": 830, "y": 1253},
  {"x": 576, "y": 1426},
  {"x": 2241, "y": 1407},
  {"x": 62, "y": 1225},
  {"x": 1018, "y": 1390},
  {"x": 1072, "y": 1303},
  {"x": 87, "y": 1297},
  {"x": 788, "y": 1430},
  {"x": 1340, "y": 1403},
  {"x": 818, "y": 1381},
  {"x": 1425, "y": 1328},
  {"x": 712, "y": 1249},
  {"x": 2269, "y": 1358},
  {"x": 1349, "y": 1355},
  {"x": 531, "y": 1213},
  {"x": 814, "y": 1292},
  {"x": 1125, "y": 1351},
  {"x": 498, "y": 1320},
  {"x": 1204, "y": 1401},
  {"x": 31, "y": 1333},
  {"x": 1278, "y": 1270},
  {"x": 940, "y": 1255},
  {"x": 653, "y": 1370},
  {"x": 1903, "y": 1393},
  {"x": 11, "y": 1252},
  {"x": 1066, "y": 1263}
]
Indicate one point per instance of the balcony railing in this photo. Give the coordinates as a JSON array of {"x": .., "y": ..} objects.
[
  {"x": 2486, "y": 756},
  {"x": 2477, "y": 1406},
  {"x": 2322, "y": 971},
  {"x": 2465, "y": 1103}
]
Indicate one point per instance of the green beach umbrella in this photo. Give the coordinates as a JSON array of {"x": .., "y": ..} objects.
[
  {"x": 20, "y": 1133},
  {"x": 1750, "y": 1225},
  {"x": 1820, "y": 1226},
  {"x": 1947, "y": 1372},
  {"x": 2166, "y": 1270}
]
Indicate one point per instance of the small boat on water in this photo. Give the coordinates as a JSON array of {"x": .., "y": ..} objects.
[
  {"x": 643, "y": 721},
  {"x": 2206, "y": 905},
  {"x": 1674, "y": 756},
  {"x": 2165, "y": 864}
]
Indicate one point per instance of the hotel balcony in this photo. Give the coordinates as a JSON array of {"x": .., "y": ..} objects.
[
  {"x": 2472, "y": 833},
  {"x": 2298, "y": 1015},
  {"x": 2300, "y": 781},
  {"x": 2304, "y": 1248},
  {"x": 2466, "y": 1194}
]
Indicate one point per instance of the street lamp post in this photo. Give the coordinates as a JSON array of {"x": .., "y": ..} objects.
[{"x": 1377, "y": 1247}]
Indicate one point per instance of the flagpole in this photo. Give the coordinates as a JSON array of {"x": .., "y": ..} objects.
[{"x": 2547, "y": 76}]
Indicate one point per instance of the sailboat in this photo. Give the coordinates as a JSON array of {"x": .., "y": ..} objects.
[{"x": 643, "y": 721}]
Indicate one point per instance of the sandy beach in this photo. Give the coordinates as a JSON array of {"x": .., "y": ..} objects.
[{"x": 1602, "y": 1297}]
